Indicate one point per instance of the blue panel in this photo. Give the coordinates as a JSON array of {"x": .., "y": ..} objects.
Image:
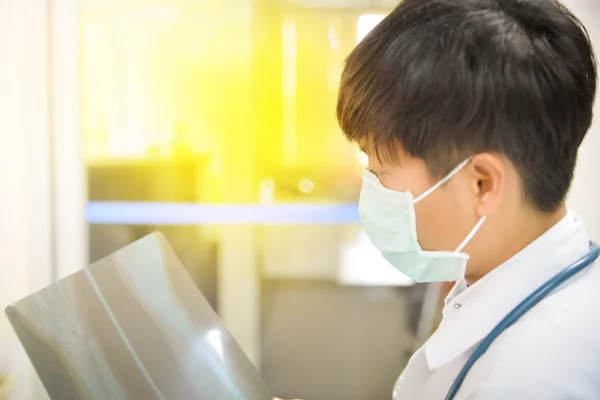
[{"x": 145, "y": 213}]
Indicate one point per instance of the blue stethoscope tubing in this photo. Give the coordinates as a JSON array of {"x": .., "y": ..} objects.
[{"x": 551, "y": 285}]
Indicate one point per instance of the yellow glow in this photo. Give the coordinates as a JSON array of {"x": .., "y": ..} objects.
[
  {"x": 250, "y": 89},
  {"x": 289, "y": 80},
  {"x": 306, "y": 185},
  {"x": 267, "y": 191}
]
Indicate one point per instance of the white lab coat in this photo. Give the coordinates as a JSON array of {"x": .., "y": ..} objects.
[{"x": 551, "y": 353}]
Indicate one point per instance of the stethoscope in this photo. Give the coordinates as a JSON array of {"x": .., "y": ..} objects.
[{"x": 526, "y": 305}]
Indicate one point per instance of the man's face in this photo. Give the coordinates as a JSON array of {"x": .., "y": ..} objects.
[{"x": 446, "y": 216}]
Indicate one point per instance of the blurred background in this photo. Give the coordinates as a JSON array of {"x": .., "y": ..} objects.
[{"x": 213, "y": 122}]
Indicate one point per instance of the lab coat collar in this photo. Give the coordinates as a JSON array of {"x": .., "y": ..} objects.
[{"x": 471, "y": 313}]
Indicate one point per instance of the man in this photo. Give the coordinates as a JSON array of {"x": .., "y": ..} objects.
[{"x": 472, "y": 113}]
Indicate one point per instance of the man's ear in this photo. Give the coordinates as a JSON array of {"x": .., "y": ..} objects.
[{"x": 489, "y": 173}]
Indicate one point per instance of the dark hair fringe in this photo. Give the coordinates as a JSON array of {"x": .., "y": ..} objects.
[{"x": 446, "y": 79}]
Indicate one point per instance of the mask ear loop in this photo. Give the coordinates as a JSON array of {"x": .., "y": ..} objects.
[
  {"x": 444, "y": 180},
  {"x": 470, "y": 235}
]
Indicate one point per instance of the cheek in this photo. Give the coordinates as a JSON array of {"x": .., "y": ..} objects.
[{"x": 439, "y": 222}]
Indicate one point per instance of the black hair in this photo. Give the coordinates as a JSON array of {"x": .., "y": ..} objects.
[{"x": 447, "y": 79}]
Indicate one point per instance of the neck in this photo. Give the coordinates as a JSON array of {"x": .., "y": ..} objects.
[{"x": 517, "y": 233}]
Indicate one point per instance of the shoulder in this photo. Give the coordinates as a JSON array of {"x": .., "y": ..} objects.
[{"x": 553, "y": 352}]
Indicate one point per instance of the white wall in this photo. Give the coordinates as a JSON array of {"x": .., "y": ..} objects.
[
  {"x": 25, "y": 247},
  {"x": 69, "y": 182},
  {"x": 585, "y": 194},
  {"x": 42, "y": 193}
]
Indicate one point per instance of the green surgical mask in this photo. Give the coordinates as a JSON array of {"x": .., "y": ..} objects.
[{"x": 388, "y": 217}]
